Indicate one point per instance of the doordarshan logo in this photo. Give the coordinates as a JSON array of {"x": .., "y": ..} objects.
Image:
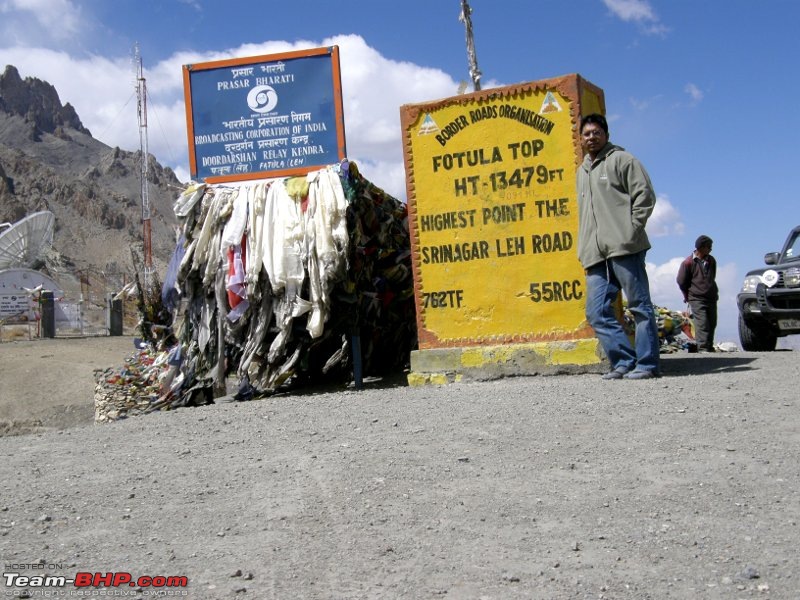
[{"x": 262, "y": 99}]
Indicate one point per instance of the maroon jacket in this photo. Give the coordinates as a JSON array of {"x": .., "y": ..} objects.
[{"x": 698, "y": 281}]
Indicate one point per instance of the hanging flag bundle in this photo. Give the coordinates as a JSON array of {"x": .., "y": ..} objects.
[{"x": 276, "y": 279}]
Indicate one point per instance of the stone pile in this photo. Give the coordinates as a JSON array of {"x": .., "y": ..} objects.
[{"x": 136, "y": 388}]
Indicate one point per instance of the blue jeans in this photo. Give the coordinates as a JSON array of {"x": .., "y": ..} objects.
[{"x": 603, "y": 283}]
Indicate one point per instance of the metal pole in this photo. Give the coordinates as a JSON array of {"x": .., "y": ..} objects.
[
  {"x": 141, "y": 95},
  {"x": 466, "y": 18}
]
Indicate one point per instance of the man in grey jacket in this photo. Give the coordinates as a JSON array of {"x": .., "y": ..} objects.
[{"x": 615, "y": 199}]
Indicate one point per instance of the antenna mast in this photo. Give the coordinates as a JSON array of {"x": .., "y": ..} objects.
[
  {"x": 141, "y": 104},
  {"x": 466, "y": 18}
]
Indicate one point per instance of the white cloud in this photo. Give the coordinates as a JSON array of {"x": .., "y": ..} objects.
[
  {"x": 35, "y": 21},
  {"x": 641, "y": 104},
  {"x": 639, "y": 12},
  {"x": 368, "y": 79},
  {"x": 631, "y": 10},
  {"x": 193, "y": 4},
  {"x": 665, "y": 220},
  {"x": 729, "y": 282},
  {"x": 663, "y": 287},
  {"x": 695, "y": 93}
]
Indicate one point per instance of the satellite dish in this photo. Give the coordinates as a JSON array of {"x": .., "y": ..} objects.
[{"x": 23, "y": 243}]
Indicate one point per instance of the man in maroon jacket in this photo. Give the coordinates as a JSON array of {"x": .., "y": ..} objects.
[{"x": 697, "y": 280}]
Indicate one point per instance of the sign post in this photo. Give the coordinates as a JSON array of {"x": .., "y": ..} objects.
[
  {"x": 493, "y": 218},
  {"x": 276, "y": 115}
]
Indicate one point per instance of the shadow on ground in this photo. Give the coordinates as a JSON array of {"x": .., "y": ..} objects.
[
  {"x": 701, "y": 364},
  {"x": 308, "y": 387}
]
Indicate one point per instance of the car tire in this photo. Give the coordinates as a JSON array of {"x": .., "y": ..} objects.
[{"x": 756, "y": 339}]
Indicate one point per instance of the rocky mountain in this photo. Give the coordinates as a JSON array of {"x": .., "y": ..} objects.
[{"x": 50, "y": 161}]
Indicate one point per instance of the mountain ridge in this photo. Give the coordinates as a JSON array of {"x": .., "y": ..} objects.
[{"x": 50, "y": 161}]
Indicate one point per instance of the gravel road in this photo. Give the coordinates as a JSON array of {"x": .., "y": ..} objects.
[{"x": 552, "y": 488}]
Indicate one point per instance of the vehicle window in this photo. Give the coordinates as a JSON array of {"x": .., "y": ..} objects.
[{"x": 793, "y": 250}]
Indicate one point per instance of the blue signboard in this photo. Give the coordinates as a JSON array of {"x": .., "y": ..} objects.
[{"x": 264, "y": 116}]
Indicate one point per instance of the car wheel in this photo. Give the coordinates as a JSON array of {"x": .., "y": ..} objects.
[{"x": 756, "y": 339}]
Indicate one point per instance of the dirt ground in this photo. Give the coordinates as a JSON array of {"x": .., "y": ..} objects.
[
  {"x": 49, "y": 383},
  {"x": 555, "y": 487}
]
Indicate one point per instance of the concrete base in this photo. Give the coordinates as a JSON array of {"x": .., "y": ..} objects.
[{"x": 437, "y": 366}]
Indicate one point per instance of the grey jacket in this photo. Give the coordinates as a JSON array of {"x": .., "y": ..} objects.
[{"x": 615, "y": 199}]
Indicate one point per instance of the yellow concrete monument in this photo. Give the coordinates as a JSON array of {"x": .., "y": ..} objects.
[{"x": 493, "y": 219}]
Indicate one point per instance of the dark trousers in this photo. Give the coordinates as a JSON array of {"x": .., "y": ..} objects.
[{"x": 704, "y": 315}]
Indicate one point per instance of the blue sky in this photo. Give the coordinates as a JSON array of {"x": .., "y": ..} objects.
[{"x": 702, "y": 92}]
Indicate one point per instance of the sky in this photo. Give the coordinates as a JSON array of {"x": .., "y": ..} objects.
[{"x": 701, "y": 92}]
